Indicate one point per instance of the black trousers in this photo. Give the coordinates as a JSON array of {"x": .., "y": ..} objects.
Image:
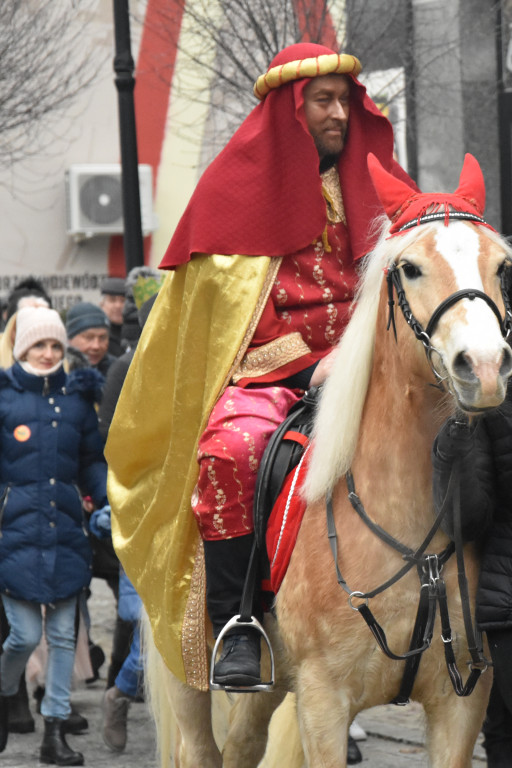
[
  {"x": 226, "y": 562},
  {"x": 497, "y": 726}
]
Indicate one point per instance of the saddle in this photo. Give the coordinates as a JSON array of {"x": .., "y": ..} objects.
[{"x": 282, "y": 454}]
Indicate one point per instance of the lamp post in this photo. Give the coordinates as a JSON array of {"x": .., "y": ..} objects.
[{"x": 125, "y": 83}]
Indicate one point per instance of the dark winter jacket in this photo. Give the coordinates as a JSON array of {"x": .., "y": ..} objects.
[
  {"x": 51, "y": 453},
  {"x": 484, "y": 455},
  {"x": 111, "y": 391}
]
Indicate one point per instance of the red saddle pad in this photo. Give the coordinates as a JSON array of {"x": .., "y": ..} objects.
[{"x": 284, "y": 523}]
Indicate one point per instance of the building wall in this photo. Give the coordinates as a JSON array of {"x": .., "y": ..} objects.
[{"x": 455, "y": 112}]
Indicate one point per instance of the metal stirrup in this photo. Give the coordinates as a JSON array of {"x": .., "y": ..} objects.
[{"x": 255, "y": 625}]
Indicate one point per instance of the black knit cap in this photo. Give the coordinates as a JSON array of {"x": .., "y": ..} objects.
[
  {"x": 85, "y": 315},
  {"x": 113, "y": 286}
]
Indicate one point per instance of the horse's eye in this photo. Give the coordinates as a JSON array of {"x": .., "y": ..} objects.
[
  {"x": 410, "y": 270},
  {"x": 505, "y": 265}
]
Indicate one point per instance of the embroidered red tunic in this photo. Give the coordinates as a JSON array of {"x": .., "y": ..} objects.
[
  {"x": 309, "y": 305},
  {"x": 304, "y": 317}
]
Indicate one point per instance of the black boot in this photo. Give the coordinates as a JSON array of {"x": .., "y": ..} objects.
[
  {"x": 226, "y": 563},
  {"x": 4, "y": 721},
  {"x": 121, "y": 642},
  {"x": 353, "y": 752},
  {"x": 97, "y": 657},
  {"x": 76, "y": 723},
  {"x": 54, "y": 748},
  {"x": 20, "y": 716}
]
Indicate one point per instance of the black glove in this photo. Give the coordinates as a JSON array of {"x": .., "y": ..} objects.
[{"x": 455, "y": 439}]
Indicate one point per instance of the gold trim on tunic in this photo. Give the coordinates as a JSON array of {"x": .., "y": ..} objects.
[{"x": 269, "y": 357}]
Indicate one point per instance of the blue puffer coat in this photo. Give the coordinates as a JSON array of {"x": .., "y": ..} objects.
[{"x": 51, "y": 453}]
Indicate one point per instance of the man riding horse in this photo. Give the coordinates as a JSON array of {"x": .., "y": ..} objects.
[{"x": 264, "y": 267}]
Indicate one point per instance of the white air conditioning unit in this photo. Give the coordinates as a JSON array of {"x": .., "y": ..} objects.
[{"x": 94, "y": 199}]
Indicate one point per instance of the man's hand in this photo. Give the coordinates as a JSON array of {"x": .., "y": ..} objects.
[
  {"x": 323, "y": 369},
  {"x": 455, "y": 439}
]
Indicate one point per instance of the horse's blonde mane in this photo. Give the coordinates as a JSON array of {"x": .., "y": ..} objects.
[{"x": 336, "y": 427}]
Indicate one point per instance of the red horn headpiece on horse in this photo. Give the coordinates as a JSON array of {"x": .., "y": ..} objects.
[{"x": 405, "y": 207}]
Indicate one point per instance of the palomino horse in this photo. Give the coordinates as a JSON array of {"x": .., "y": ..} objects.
[{"x": 380, "y": 410}]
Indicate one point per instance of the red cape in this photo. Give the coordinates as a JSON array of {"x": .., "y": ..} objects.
[{"x": 262, "y": 194}]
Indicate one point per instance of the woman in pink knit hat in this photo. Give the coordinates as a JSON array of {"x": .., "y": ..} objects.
[{"x": 51, "y": 453}]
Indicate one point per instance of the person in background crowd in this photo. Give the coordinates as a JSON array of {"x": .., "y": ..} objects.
[
  {"x": 482, "y": 452},
  {"x": 142, "y": 286},
  {"x": 88, "y": 329},
  {"x": 125, "y": 672},
  {"x": 28, "y": 292},
  {"x": 49, "y": 446},
  {"x": 112, "y": 303},
  {"x": 30, "y": 286},
  {"x": 127, "y": 685}
]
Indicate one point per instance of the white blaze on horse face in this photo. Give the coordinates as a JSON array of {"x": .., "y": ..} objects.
[{"x": 468, "y": 334}]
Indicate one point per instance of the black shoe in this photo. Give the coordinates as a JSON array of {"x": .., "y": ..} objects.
[
  {"x": 75, "y": 723},
  {"x": 239, "y": 663},
  {"x": 38, "y": 695},
  {"x": 20, "y": 716},
  {"x": 97, "y": 657},
  {"x": 353, "y": 752},
  {"x": 54, "y": 748},
  {"x": 4, "y": 721}
]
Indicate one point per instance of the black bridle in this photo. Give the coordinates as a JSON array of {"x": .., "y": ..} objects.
[{"x": 394, "y": 281}]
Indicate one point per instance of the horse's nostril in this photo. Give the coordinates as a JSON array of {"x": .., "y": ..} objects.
[
  {"x": 506, "y": 363},
  {"x": 462, "y": 367}
]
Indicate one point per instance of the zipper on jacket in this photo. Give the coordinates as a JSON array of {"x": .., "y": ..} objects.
[{"x": 4, "y": 504}]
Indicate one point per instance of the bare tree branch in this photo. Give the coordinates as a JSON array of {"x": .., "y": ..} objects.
[{"x": 46, "y": 60}]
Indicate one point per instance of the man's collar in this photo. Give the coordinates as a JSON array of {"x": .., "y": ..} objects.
[{"x": 328, "y": 162}]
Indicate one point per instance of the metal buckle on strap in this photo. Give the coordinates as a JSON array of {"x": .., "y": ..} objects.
[
  {"x": 357, "y": 594},
  {"x": 480, "y": 666}
]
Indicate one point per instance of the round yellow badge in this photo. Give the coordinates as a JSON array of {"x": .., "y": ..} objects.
[{"x": 22, "y": 433}]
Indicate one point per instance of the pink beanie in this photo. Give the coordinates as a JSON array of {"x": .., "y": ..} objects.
[{"x": 34, "y": 324}]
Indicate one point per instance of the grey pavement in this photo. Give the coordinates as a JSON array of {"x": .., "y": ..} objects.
[{"x": 395, "y": 735}]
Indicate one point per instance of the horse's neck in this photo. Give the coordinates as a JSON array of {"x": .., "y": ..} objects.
[{"x": 401, "y": 416}]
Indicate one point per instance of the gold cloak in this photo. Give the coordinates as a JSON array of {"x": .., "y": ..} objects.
[{"x": 198, "y": 330}]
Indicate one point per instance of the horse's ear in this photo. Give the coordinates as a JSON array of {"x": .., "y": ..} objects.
[
  {"x": 471, "y": 183},
  {"x": 392, "y": 192}
]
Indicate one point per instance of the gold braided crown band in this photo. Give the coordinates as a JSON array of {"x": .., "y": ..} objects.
[{"x": 326, "y": 64}]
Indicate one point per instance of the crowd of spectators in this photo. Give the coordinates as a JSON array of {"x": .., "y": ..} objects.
[{"x": 71, "y": 366}]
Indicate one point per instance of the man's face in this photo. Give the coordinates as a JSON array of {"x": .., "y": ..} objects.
[
  {"x": 93, "y": 342},
  {"x": 113, "y": 307},
  {"x": 326, "y": 106}
]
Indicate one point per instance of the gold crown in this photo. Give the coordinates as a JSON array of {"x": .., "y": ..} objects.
[{"x": 326, "y": 64}]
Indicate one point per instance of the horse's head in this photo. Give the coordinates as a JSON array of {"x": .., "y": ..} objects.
[{"x": 447, "y": 271}]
